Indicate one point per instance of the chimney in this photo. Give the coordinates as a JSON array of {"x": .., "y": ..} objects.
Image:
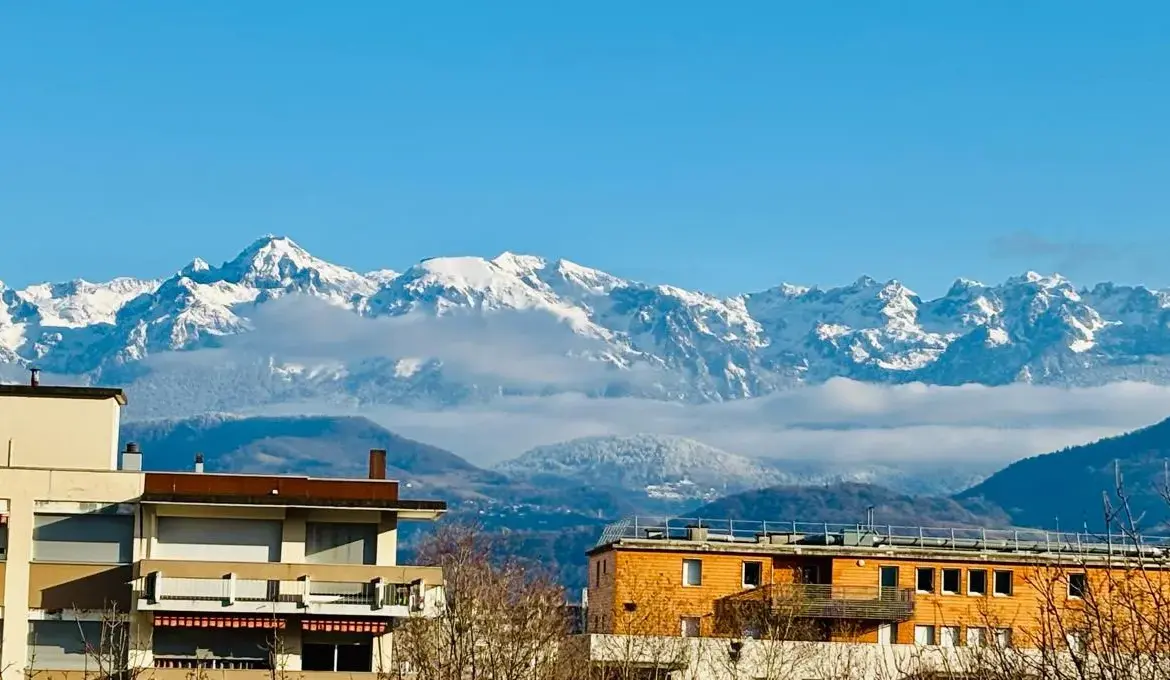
[
  {"x": 34, "y": 377},
  {"x": 132, "y": 458},
  {"x": 377, "y": 463},
  {"x": 199, "y": 462}
]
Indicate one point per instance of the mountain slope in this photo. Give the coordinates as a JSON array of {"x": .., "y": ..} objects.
[
  {"x": 1069, "y": 488},
  {"x": 658, "y": 465},
  {"x": 330, "y": 446},
  {"x": 678, "y": 469},
  {"x": 848, "y": 503},
  {"x": 607, "y": 336}
]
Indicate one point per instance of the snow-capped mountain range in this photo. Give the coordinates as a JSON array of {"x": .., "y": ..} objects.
[{"x": 647, "y": 340}]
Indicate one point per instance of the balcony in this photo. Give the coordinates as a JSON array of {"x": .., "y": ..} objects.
[
  {"x": 824, "y": 601},
  {"x": 285, "y": 589}
]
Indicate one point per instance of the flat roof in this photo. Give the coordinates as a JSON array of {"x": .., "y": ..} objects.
[
  {"x": 826, "y": 539},
  {"x": 63, "y": 392},
  {"x": 210, "y": 488}
]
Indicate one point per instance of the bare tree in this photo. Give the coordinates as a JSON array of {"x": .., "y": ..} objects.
[
  {"x": 110, "y": 652},
  {"x": 501, "y": 620}
]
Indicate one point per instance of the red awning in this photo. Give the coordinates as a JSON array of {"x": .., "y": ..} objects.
[
  {"x": 187, "y": 621},
  {"x": 345, "y": 626}
]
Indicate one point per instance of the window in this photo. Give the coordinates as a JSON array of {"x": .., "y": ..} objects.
[
  {"x": 810, "y": 573},
  {"x": 753, "y": 574},
  {"x": 887, "y": 633},
  {"x": 924, "y": 635},
  {"x": 1003, "y": 637},
  {"x": 925, "y": 580},
  {"x": 949, "y": 636},
  {"x": 690, "y": 626},
  {"x": 950, "y": 581},
  {"x": 1075, "y": 642},
  {"x": 107, "y": 539},
  {"x": 976, "y": 637},
  {"x": 977, "y": 582},
  {"x": 340, "y": 543},
  {"x": 1003, "y": 583},
  {"x": 692, "y": 572},
  {"x": 1078, "y": 585},
  {"x": 216, "y": 539},
  {"x": 345, "y": 652},
  {"x": 61, "y": 645}
]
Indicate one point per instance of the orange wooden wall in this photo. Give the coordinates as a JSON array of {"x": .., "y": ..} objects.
[{"x": 653, "y": 581}]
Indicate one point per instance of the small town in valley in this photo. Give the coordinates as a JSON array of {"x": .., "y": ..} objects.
[{"x": 114, "y": 570}]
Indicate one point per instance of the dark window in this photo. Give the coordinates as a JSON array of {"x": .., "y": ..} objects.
[
  {"x": 925, "y": 580},
  {"x": 344, "y": 652},
  {"x": 753, "y": 574},
  {"x": 598, "y": 577},
  {"x": 977, "y": 582},
  {"x": 810, "y": 574},
  {"x": 1078, "y": 585},
  {"x": 1003, "y": 583},
  {"x": 950, "y": 581}
]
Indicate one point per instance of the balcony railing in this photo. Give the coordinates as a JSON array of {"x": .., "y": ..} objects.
[
  {"x": 823, "y": 601},
  {"x": 154, "y": 590}
]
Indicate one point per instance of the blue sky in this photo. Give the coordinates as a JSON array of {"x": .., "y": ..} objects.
[{"x": 723, "y": 146}]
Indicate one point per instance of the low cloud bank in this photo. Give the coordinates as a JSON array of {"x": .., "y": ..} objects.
[{"x": 842, "y": 420}]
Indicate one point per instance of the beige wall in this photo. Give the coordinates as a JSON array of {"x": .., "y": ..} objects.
[
  {"x": 23, "y": 488},
  {"x": 51, "y": 432},
  {"x": 292, "y": 546}
]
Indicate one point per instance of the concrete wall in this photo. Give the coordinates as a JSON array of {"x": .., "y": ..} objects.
[
  {"x": 63, "y": 433},
  {"x": 27, "y": 491},
  {"x": 709, "y": 658}
]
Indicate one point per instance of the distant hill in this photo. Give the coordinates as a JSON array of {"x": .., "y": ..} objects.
[
  {"x": 331, "y": 446},
  {"x": 847, "y": 503},
  {"x": 658, "y": 466},
  {"x": 1068, "y": 487},
  {"x": 665, "y": 473}
]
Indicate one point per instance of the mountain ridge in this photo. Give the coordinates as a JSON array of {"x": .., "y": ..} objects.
[{"x": 633, "y": 339}]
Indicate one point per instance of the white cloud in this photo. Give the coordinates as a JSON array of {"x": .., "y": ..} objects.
[
  {"x": 516, "y": 349},
  {"x": 842, "y": 420}
]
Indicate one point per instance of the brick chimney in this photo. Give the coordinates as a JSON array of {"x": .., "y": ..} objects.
[{"x": 377, "y": 463}]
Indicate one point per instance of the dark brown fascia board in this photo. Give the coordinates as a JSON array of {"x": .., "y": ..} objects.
[
  {"x": 279, "y": 501},
  {"x": 62, "y": 392}
]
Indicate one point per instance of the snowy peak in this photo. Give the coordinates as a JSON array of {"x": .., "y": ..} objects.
[
  {"x": 659, "y": 465},
  {"x": 195, "y": 267},
  {"x": 278, "y": 264},
  {"x": 79, "y": 303}
]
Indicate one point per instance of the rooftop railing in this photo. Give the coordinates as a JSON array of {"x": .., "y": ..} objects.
[{"x": 883, "y": 536}]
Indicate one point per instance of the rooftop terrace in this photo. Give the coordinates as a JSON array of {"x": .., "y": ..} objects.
[{"x": 887, "y": 537}]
